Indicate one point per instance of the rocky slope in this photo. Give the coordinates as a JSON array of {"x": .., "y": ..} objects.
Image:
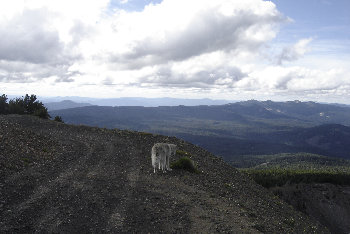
[
  {"x": 327, "y": 203},
  {"x": 64, "y": 178}
]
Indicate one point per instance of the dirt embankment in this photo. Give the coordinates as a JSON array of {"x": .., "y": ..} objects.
[{"x": 63, "y": 178}]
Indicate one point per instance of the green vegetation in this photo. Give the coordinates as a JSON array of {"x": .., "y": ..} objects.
[
  {"x": 58, "y": 119},
  {"x": 281, "y": 169},
  {"x": 279, "y": 176},
  {"x": 185, "y": 163},
  {"x": 27, "y": 105}
]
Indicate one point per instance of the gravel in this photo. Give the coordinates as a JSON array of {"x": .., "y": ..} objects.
[{"x": 65, "y": 178}]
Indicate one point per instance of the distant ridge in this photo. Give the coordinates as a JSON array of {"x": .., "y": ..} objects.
[
  {"x": 138, "y": 101},
  {"x": 241, "y": 128},
  {"x": 65, "y": 104}
]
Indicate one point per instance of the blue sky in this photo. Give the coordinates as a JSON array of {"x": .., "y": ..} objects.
[
  {"x": 136, "y": 5},
  {"x": 324, "y": 20},
  {"x": 223, "y": 49},
  {"x": 327, "y": 22},
  {"x": 318, "y": 16}
]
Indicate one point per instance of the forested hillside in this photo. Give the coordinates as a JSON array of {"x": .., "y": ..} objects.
[{"x": 244, "y": 128}]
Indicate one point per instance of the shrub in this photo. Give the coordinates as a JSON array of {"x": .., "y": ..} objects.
[
  {"x": 42, "y": 113},
  {"x": 185, "y": 163},
  {"x": 58, "y": 119}
]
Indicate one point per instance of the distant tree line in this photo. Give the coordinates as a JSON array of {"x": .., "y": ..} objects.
[
  {"x": 280, "y": 176},
  {"x": 27, "y": 105}
]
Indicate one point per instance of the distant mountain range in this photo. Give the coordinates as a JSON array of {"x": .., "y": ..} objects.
[
  {"x": 136, "y": 101},
  {"x": 65, "y": 104},
  {"x": 250, "y": 127}
]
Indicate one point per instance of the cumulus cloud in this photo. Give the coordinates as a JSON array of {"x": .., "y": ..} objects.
[
  {"x": 178, "y": 30},
  {"x": 24, "y": 72},
  {"x": 27, "y": 37},
  {"x": 38, "y": 38},
  {"x": 294, "y": 52},
  {"x": 170, "y": 77},
  {"x": 295, "y": 79},
  {"x": 216, "y": 46},
  {"x": 183, "y": 43},
  {"x": 152, "y": 47}
]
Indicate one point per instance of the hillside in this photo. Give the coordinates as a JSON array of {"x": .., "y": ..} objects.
[
  {"x": 290, "y": 161},
  {"x": 231, "y": 130},
  {"x": 64, "y": 178},
  {"x": 316, "y": 185}
]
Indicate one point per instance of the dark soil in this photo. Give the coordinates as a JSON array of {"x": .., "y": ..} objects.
[{"x": 77, "y": 179}]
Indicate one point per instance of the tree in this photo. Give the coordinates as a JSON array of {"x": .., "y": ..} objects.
[
  {"x": 16, "y": 106},
  {"x": 4, "y": 106},
  {"x": 31, "y": 104},
  {"x": 28, "y": 105},
  {"x": 33, "y": 107}
]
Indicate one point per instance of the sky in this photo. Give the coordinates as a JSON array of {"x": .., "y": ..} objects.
[{"x": 222, "y": 49}]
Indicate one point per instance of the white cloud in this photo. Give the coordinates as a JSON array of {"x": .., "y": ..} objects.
[
  {"x": 42, "y": 32},
  {"x": 182, "y": 43},
  {"x": 38, "y": 38},
  {"x": 295, "y": 80},
  {"x": 294, "y": 52},
  {"x": 28, "y": 37},
  {"x": 206, "y": 46},
  {"x": 178, "y": 30}
]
